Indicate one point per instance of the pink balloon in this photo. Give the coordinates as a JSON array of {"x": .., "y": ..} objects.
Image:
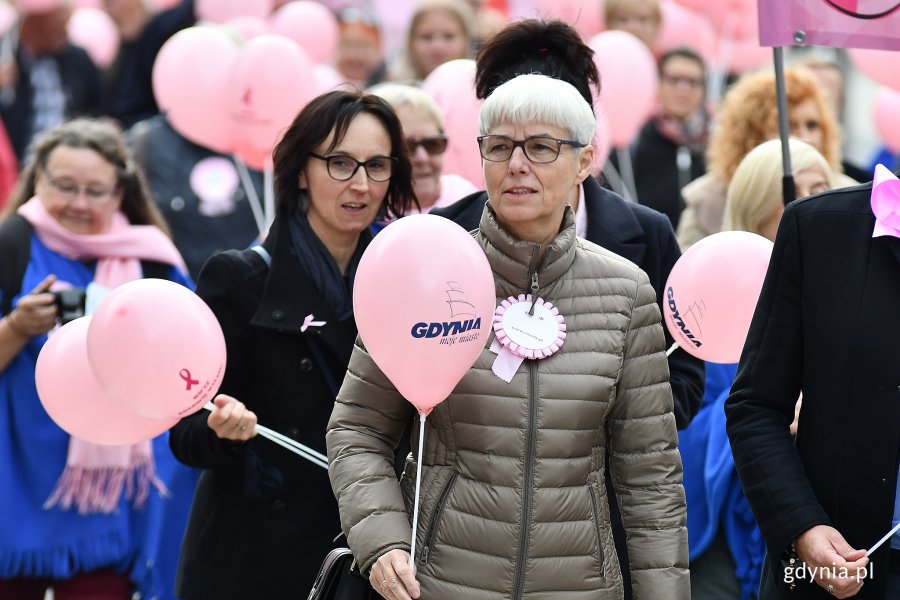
[
  {"x": 270, "y": 81},
  {"x": 328, "y": 79},
  {"x": 628, "y": 81},
  {"x": 452, "y": 86},
  {"x": 683, "y": 27},
  {"x": 222, "y": 11},
  {"x": 8, "y": 17},
  {"x": 883, "y": 66},
  {"x": 887, "y": 117},
  {"x": 586, "y": 16},
  {"x": 190, "y": 75},
  {"x": 424, "y": 324},
  {"x": 311, "y": 25},
  {"x": 745, "y": 55},
  {"x": 712, "y": 291},
  {"x": 249, "y": 27},
  {"x": 73, "y": 398},
  {"x": 157, "y": 349},
  {"x": 94, "y": 30}
]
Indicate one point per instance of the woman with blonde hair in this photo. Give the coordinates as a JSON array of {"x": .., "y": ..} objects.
[
  {"x": 439, "y": 31},
  {"x": 754, "y": 201},
  {"x": 726, "y": 547},
  {"x": 749, "y": 116}
]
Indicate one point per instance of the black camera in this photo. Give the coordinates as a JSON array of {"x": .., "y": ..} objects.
[{"x": 70, "y": 303}]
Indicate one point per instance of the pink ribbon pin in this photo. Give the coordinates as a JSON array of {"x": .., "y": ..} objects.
[
  {"x": 886, "y": 203},
  {"x": 186, "y": 375},
  {"x": 308, "y": 322}
]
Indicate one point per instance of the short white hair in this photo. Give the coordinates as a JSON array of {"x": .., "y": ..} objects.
[{"x": 539, "y": 99}]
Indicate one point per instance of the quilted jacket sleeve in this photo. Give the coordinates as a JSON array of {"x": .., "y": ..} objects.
[
  {"x": 368, "y": 419},
  {"x": 644, "y": 461}
]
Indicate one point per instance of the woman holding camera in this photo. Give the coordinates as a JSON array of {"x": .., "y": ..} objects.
[{"x": 81, "y": 214}]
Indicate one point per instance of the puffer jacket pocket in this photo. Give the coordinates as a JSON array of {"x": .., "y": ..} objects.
[
  {"x": 431, "y": 532},
  {"x": 595, "y": 516}
]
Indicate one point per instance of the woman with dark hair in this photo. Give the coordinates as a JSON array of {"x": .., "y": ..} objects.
[
  {"x": 80, "y": 217},
  {"x": 263, "y": 518}
]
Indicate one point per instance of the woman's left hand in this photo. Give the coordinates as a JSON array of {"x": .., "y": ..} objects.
[
  {"x": 393, "y": 578},
  {"x": 231, "y": 420}
]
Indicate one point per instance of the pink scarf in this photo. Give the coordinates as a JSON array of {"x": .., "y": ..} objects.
[{"x": 94, "y": 476}]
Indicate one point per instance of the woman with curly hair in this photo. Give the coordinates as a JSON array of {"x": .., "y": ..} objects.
[{"x": 748, "y": 117}]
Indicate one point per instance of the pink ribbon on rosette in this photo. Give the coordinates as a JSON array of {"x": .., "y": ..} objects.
[{"x": 886, "y": 203}]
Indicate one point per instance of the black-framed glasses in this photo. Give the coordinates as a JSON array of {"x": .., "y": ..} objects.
[
  {"x": 433, "y": 145},
  {"x": 343, "y": 167},
  {"x": 537, "y": 149},
  {"x": 69, "y": 190}
]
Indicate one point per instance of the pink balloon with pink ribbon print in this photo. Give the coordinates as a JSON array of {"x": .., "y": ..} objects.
[{"x": 157, "y": 349}]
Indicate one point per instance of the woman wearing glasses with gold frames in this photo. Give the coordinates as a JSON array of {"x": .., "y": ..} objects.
[
  {"x": 426, "y": 143},
  {"x": 263, "y": 518},
  {"x": 514, "y": 501}
]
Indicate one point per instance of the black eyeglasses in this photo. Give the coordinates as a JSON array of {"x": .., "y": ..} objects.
[
  {"x": 343, "y": 167},
  {"x": 433, "y": 145},
  {"x": 537, "y": 149}
]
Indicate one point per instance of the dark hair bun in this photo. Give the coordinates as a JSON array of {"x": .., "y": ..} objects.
[{"x": 551, "y": 48}]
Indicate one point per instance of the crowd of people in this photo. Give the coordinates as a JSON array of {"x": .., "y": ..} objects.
[{"x": 610, "y": 469}]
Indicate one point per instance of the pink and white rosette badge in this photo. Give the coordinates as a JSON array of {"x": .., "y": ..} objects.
[{"x": 525, "y": 329}]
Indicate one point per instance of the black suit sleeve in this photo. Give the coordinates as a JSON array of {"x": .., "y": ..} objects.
[
  {"x": 760, "y": 407},
  {"x": 222, "y": 285},
  {"x": 687, "y": 374}
]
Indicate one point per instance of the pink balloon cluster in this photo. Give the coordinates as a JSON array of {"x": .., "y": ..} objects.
[
  {"x": 152, "y": 353},
  {"x": 423, "y": 299},
  {"x": 230, "y": 98},
  {"x": 712, "y": 291}
]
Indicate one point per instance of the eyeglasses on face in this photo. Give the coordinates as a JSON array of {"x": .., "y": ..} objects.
[
  {"x": 69, "y": 190},
  {"x": 342, "y": 167},
  {"x": 694, "y": 83},
  {"x": 538, "y": 149},
  {"x": 433, "y": 145}
]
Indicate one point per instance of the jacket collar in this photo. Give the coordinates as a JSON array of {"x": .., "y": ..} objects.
[
  {"x": 290, "y": 295},
  {"x": 512, "y": 258},
  {"x": 612, "y": 224}
]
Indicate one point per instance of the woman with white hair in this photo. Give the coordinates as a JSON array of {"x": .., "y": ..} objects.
[{"x": 514, "y": 502}]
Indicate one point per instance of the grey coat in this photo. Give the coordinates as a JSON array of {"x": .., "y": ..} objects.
[{"x": 513, "y": 496}]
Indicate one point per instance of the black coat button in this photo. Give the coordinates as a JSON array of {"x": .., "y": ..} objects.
[
  {"x": 306, "y": 365},
  {"x": 277, "y": 505},
  {"x": 277, "y": 314}
]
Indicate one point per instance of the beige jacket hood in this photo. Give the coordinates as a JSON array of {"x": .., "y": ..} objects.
[{"x": 513, "y": 497}]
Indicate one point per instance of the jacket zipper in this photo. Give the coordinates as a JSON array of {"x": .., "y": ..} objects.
[
  {"x": 438, "y": 509},
  {"x": 529, "y": 477},
  {"x": 530, "y": 443},
  {"x": 596, "y": 514}
]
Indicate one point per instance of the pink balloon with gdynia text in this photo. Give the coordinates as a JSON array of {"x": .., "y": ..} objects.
[
  {"x": 156, "y": 348},
  {"x": 74, "y": 399},
  {"x": 423, "y": 299},
  {"x": 712, "y": 291}
]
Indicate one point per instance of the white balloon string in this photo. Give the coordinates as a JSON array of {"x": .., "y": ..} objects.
[
  {"x": 415, "y": 522},
  {"x": 252, "y": 196},
  {"x": 317, "y": 458},
  {"x": 672, "y": 349},
  {"x": 269, "y": 189},
  {"x": 883, "y": 540}
]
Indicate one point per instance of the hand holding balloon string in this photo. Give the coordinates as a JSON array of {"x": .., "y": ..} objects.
[{"x": 222, "y": 420}]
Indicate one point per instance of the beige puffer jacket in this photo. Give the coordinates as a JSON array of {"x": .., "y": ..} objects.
[{"x": 513, "y": 497}]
